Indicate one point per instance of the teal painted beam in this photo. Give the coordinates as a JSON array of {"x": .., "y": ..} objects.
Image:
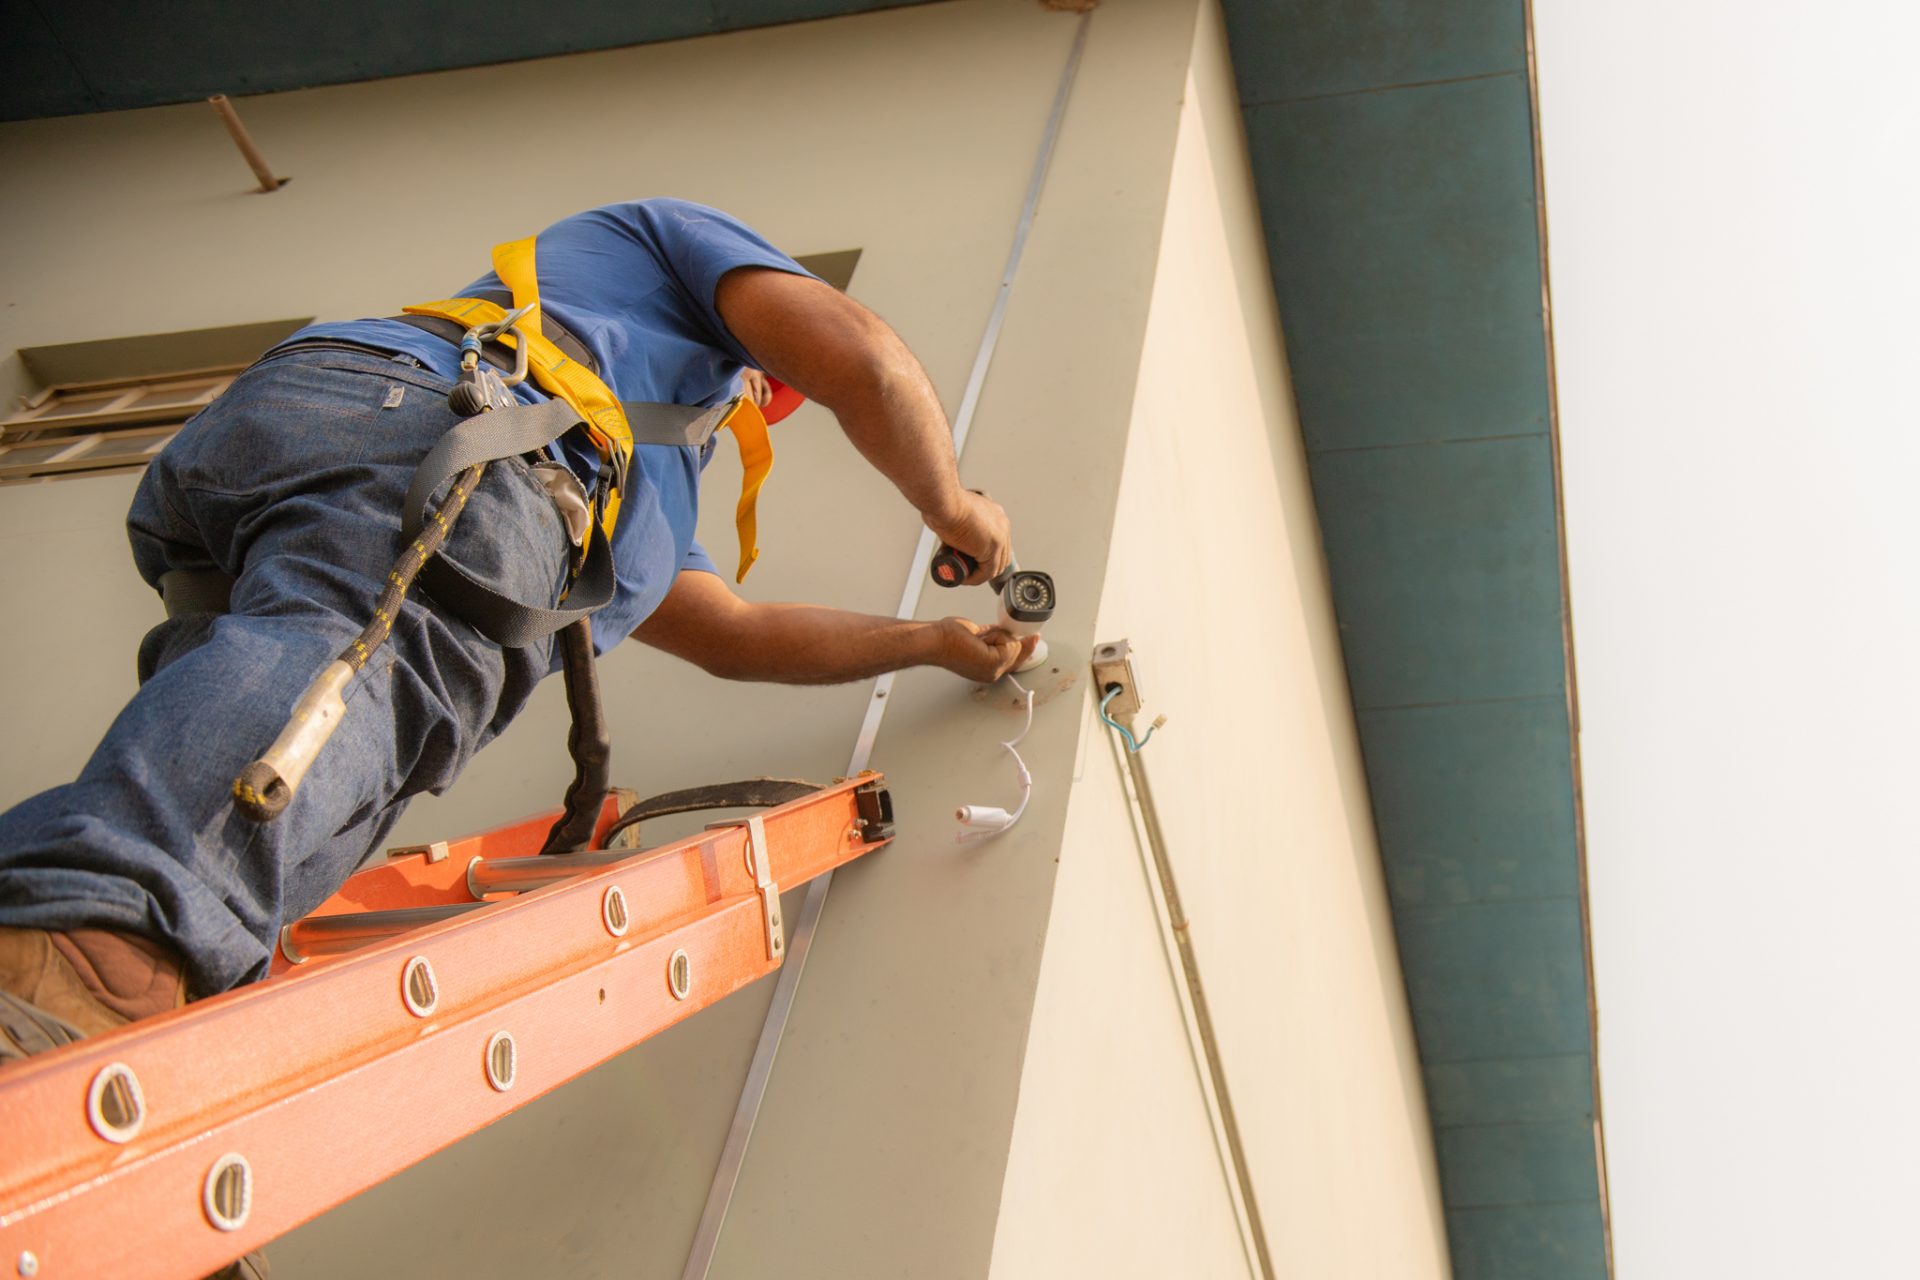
[
  {"x": 1510, "y": 1090},
  {"x": 1544, "y": 1162},
  {"x": 1473, "y": 802},
  {"x": 1393, "y": 157},
  {"x": 37, "y": 78},
  {"x": 76, "y": 56},
  {"x": 1529, "y": 1242},
  {"x": 1446, "y": 570},
  {"x": 1402, "y": 228},
  {"x": 1290, "y": 49},
  {"x": 1495, "y": 980}
]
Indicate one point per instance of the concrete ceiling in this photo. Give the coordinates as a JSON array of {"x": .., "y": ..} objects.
[{"x": 1393, "y": 148}]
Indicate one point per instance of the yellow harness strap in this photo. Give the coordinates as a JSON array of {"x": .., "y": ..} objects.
[
  {"x": 599, "y": 409},
  {"x": 749, "y": 427}
]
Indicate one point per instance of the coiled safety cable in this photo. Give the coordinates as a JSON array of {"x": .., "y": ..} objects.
[{"x": 266, "y": 787}]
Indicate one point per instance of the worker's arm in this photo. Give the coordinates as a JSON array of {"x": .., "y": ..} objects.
[
  {"x": 703, "y": 621},
  {"x": 837, "y": 353}
]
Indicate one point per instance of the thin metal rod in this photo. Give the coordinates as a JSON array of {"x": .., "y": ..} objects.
[
  {"x": 706, "y": 1237},
  {"x": 244, "y": 140},
  {"x": 1197, "y": 999},
  {"x": 970, "y": 398}
]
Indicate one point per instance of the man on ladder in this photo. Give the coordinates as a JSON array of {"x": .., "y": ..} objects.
[{"x": 144, "y": 882}]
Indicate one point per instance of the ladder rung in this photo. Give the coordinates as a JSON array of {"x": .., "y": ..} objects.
[
  {"x": 522, "y": 875},
  {"x": 318, "y": 936}
]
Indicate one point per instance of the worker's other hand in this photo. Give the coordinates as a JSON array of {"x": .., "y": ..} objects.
[
  {"x": 982, "y": 653},
  {"x": 980, "y": 528},
  {"x": 755, "y": 387}
]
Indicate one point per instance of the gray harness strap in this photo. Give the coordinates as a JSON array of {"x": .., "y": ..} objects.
[
  {"x": 498, "y": 433},
  {"x": 509, "y": 432},
  {"x": 503, "y": 433},
  {"x": 673, "y": 424}
]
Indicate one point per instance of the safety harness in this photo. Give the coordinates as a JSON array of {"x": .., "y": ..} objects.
[
  {"x": 580, "y": 400},
  {"x": 494, "y": 424}
]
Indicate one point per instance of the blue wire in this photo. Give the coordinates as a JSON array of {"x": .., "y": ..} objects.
[{"x": 1133, "y": 748}]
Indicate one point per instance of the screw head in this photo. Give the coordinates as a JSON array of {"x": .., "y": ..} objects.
[{"x": 29, "y": 1263}]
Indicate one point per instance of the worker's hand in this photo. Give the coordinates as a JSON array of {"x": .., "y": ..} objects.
[
  {"x": 755, "y": 387},
  {"x": 981, "y": 529},
  {"x": 982, "y": 653}
]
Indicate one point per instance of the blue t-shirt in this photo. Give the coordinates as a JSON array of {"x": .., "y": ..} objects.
[{"x": 635, "y": 282}]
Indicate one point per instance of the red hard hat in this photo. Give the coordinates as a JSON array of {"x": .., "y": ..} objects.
[{"x": 784, "y": 401}]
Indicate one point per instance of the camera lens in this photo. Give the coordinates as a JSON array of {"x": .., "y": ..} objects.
[{"x": 1029, "y": 596}]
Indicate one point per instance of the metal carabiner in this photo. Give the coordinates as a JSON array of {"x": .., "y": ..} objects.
[
  {"x": 480, "y": 386},
  {"x": 509, "y": 323}
]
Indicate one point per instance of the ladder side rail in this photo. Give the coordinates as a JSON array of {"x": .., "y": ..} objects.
[{"x": 327, "y": 1083}]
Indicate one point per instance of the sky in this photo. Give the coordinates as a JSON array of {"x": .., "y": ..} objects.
[{"x": 1733, "y": 198}]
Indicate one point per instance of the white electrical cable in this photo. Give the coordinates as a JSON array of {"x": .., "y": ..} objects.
[{"x": 989, "y": 821}]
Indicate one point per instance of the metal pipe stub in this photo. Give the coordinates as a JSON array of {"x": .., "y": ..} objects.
[{"x": 249, "y": 151}]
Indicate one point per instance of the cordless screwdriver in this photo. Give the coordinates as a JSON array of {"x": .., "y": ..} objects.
[{"x": 1027, "y": 596}]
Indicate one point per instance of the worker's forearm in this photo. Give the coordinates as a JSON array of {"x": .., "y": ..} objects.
[
  {"x": 837, "y": 353},
  {"x": 702, "y": 621},
  {"x": 894, "y": 419},
  {"x": 810, "y": 644}
]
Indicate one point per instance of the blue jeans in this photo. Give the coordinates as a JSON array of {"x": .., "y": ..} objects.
[{"x": 291, "y": 482}]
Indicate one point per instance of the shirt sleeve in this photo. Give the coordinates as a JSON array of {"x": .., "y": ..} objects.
[
  {"x": 697, "y": 558},
  {"x": 699, "y": 245}
]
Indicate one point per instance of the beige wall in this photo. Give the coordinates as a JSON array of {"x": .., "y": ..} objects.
[
  {"x": 909, "y": 134},
  {"x": 889, "y": 1142},
  {"x": 1113, "y": 1170},
  {"x": 1217, "y": 579}
]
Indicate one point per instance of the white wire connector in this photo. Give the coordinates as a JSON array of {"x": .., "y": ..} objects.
[{"x": 987, "y": 821}]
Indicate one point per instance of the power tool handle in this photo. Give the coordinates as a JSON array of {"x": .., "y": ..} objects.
[{"x": 950, "y": 566}]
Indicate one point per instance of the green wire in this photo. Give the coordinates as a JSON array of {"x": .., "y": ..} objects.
[{"x": 1133, "y": 748}]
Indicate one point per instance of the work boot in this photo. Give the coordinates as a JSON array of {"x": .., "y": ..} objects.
[{"x": 56, "y": 988}]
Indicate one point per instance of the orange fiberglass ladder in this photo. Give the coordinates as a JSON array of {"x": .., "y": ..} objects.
[{"x": 432, "y": 995}]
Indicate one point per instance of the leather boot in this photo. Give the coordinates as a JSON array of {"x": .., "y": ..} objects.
[
  {"x": 58, "y": 987},
  {"x": 79, "y": 983}
]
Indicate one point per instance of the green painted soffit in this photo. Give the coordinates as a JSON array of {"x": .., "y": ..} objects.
[
  {"x": 65, "y": 57},
  {"x": 1393, "y": 153},
  {"x": 1392, "y": 146}
]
